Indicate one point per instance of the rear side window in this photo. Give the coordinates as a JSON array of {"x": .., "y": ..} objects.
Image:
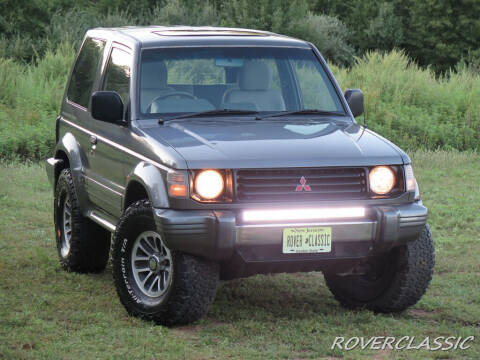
[
  {"x": 84, "y": 72},
  {"x": 117, "y": 75}
]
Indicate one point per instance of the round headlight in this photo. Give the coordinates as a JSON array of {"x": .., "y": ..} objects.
[
  {"x": 209, "y": 184},
  {"x": 382, "y": 180}
]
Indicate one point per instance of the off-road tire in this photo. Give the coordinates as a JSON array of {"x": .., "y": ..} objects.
[
  {"x": 89, "y": 242},
  {"x": 194, "y": 280},
  {"x": 406, "y": 280}
]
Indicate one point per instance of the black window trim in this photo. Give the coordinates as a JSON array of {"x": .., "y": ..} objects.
[
  {"x": 120, "y": 47},
  {"x": 333, "y": 81},
  {"x": 101, "y": 83}
]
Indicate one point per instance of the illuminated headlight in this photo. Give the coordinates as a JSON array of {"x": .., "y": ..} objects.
[
  {"x": 209, "y": 184},
  {"x": 382, "y": 180}
]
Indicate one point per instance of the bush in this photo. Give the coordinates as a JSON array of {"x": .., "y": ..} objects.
[
  {"x": 404, "y": 102},
  {"x": 413, "y": 107},
  {"x": 328, "y": 34},
  {"x": 185, "y": 12},
  {"x": 30, "y": 97}
]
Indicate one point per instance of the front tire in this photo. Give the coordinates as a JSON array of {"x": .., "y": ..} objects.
[
  {"x": 395, "y": 281},
  {"x": 154, "y": 282},
  {"x": 82, "y": 245}
]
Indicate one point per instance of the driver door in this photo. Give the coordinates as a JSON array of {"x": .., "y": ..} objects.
[{"x": 107, "y": 181}]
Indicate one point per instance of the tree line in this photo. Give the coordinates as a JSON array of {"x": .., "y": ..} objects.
[{"x": 435, "y": 33}]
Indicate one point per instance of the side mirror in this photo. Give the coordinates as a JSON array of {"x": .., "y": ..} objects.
[
  {"x": 107, "y": 106},
  {"x": 354, "y": 99}
]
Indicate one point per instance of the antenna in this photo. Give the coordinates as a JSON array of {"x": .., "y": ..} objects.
[{"x": 365, "y": 119}]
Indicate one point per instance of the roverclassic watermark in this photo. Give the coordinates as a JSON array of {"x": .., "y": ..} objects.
[{"x": 441, "y": 343}]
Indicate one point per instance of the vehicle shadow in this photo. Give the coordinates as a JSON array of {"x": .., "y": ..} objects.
[{"x": 286, "y": 296}]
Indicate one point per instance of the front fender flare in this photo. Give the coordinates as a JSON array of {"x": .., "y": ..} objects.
[{"x": 152, "y": 179}]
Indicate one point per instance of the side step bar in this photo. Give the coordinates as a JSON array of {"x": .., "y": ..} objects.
[{"x": 101, "y": 221}]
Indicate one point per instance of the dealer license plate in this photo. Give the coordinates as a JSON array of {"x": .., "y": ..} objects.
[{"x": 307, "y": 240}]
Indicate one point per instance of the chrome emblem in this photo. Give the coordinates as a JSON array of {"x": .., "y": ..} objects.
[{"x": 303, "y": 185}]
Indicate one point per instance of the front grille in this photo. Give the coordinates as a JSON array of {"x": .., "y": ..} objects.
[{"x": 281, "y": 184}]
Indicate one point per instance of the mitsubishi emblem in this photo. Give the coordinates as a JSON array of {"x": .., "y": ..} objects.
[{"x": 302, "y": 186}]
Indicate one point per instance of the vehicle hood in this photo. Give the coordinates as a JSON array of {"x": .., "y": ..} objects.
[{"x": 275, "y": 143}]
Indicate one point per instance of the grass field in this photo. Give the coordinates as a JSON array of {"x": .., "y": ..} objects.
[{"x": 46, "y": 313}]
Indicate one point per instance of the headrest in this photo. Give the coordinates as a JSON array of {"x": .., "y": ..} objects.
[
  {"x": 255, "y": 75},
  {"x": 154, "y": 75}
]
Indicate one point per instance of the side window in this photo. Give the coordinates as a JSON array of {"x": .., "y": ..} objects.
[
  {"x": 84, "y": 71},
  {"x": 117, "y": 75}
]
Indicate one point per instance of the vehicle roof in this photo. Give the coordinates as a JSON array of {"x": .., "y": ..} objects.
[{"x": 157, "y": 36}]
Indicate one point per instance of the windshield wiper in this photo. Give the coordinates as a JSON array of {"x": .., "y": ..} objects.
[
  {"x": 210, "y": 112},
  {"x": 300, "y": 112}
]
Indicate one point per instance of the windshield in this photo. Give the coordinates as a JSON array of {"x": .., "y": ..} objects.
[{"x": 264, "y": 80}]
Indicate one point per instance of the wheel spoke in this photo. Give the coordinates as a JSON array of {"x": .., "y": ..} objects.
[
  {"x": 160, "y": 246},
  {"x": 149, "y": 245},
  {"x": 152, "y": 243},
  {"x": 143, "y": 249},
  {"x": 153, "y": 283},
  {"x": 162, "y": 281},
  {"x": 147, "y": 277}
]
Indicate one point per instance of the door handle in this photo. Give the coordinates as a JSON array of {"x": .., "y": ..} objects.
[{"x": 93, "y": 140}]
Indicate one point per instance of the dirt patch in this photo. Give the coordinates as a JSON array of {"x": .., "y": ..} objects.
[
  {"x": 382, "y": 354},
  {"x": 188, "y": 331},
  {"x": 28, "y": 346},
  {"x": 419, "y": 313}
]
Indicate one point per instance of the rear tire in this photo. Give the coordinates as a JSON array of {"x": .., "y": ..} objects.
[
  {"x": 82, "y": 245},
  {"x": 154, "y": 282},
  {"x": 396, "y": 280}
]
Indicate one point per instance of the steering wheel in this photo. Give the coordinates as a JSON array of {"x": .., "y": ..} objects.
[{"x": 174, "y": 93}]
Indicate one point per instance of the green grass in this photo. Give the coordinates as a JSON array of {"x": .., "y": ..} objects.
[{"x": 46, "y": 313}]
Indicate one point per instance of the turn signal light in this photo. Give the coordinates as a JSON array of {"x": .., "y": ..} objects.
[
  {"x": 409, "y": 178},
  {"x": 178, "y": 190},
  {"x": 177, "y": 184}
]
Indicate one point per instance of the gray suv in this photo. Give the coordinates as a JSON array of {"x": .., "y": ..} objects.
[{"x": 215, "y": 153}]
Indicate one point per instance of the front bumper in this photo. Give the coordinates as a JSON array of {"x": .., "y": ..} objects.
[{"x": 221, "y": 235}]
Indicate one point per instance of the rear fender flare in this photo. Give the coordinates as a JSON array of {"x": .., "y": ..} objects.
[{"x": 69, "y": 145}]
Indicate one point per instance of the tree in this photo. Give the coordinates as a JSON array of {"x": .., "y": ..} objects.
[{"x": 442, "y": 32}]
